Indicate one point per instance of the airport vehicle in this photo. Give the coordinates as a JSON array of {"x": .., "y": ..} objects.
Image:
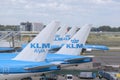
[
  {"x": 108, "y": 75},
  {"x": 69, "y": 77},
  {"x": 118, "y": 75},
  {"x": 32, "y": 59},
  {"x": 87, "y": 75}
]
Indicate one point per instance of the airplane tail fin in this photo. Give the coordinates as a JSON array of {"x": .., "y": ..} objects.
[
  {"x": 62, "y": 31},
  {"x": 69, "y": 35},
  {"x": 74, "y": 45},
  {"x": 72, "y": 31},
  {"x": 58, "y": 36},
  {"x": 36, "y": 50}
]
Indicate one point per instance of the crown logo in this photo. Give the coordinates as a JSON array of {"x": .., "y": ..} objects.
[
  {"x": 67, "y": 36},
  {"x": 57, "y": 35},
  {"x": 74, "y": 41}
]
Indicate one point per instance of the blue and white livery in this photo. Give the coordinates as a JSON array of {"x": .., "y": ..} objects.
[{"x": 34, "y": 58}]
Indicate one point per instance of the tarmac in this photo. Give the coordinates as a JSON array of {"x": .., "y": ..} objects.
[
  {"x": 107, "y": 57},
  {"x": 103, "y": 57},
  {"x": 76, "y": 78},
  {"x": 111, "y": 57}
]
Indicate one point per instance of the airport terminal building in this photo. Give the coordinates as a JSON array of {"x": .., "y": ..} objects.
[{"x": 28, "y": 26}]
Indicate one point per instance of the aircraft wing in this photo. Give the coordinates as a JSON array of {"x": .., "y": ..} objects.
[
  {"x": 73, "y": 61},
  {"x": 97, "y": 47},
  {"x": 39, "y": 67},
  {"x": 76, "y": 59},
  {"x": 58, "y": 64},
  {"x": 79, "y": 60}
]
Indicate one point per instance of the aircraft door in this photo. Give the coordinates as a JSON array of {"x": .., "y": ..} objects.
[{"x": 5, "y": 70}]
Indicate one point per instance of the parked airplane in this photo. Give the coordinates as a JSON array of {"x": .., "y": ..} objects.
[
  {"x": 62, "y": 36},
  {"x": 59, "y": 35},
  {"x": 84, "y": 37},
  {"x": 81, "y": 31},
  {"x": 7, "y": 49},
  {"x": 31, "y": 60},
  {"x": 69, "y": 53},
  {"x": 61, "y": 40}
]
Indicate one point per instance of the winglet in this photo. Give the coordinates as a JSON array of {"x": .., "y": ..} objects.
[
  {"x": 36, "y": 49},
  {"x": 74, "y": 45}
]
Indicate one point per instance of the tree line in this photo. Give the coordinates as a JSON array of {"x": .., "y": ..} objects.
[
  {"x": 101, "y": 28},
  {"x": 106, "y": 28},
  {"x": 9, "y": 28}
]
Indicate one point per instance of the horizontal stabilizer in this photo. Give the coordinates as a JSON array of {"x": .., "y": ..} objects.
[
  {"x": 76, "y": 59},
  {"x": 82, "y": 60},
  {"x": 96, "y": 47},
  {"x": 38, "y": 67}
]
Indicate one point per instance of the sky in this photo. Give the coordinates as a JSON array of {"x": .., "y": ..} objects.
[{"x": 68, "y": 12}]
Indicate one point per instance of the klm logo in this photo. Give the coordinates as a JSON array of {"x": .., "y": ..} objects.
[
  {"x": 59, "y": 38},
  {"x": 74, "y": 44},
  {"x": 37, "y": 45},
  {"x": 67, "y": 37},
  {"x": 74, "y": 41},
  {"x": 39, "y": 48}
]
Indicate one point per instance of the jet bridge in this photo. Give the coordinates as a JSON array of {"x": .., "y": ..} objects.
[{"x": 7, "y": 40}]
